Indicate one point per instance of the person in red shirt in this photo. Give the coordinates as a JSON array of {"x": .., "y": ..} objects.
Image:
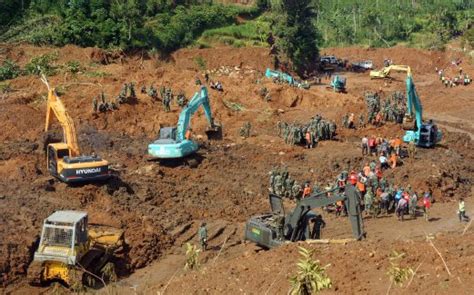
[
  {"x": 426, "y": 206},
  {"x": 372, "y": 145}
]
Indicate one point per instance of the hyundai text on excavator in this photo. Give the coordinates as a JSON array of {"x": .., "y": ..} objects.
[
  {"x": 64, "y": 160},
  {"x": 424, "y": 134},
  {"x": 74, "y": 252},
  {"x": 276, "y": 228},
  {"x": 172, "y": 143}
]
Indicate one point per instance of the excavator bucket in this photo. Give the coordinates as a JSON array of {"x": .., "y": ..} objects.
[{"x": 214, "y": 133}]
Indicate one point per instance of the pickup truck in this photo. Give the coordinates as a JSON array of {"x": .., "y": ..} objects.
[{"x": 362, "y": 66}]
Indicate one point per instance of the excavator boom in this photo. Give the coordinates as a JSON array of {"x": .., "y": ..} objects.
[
  {"x": 385, "y": 72},
  {"x": 56, "y": 106}
]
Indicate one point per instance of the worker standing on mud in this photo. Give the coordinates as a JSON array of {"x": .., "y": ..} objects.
[
  {"x": 411, "y": 149},
  {"x": 309, "y": 139},
  {"x": 365, "y": 146},
  {"x": 426, "y": 206},
  {"x": 353, "y": 208},
  {"x": 318, "y": 225},
  {"x": 462, "y": 211},
  {"x": 306, "y": 190},
  {"x": 402, "y": 206},
  {"x": 203, "y": 236}
]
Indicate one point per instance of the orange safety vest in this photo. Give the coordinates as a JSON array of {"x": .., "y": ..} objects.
[
  {"x": 306, "y": 191},
  {"x": 360, "y": 186}
]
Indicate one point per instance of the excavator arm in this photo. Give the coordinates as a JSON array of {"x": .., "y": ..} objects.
[
  {"x": 200, "y": 98},
  {"x": 56, "y": 107},
  {"x": 293, "y": 222},
  {"x": 385, "y": 72},
  {"x": 413, "y": 102}
]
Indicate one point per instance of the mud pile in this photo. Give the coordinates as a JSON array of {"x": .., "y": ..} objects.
[{"x": 160, "y": 206}]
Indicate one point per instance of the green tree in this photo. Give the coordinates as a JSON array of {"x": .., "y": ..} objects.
[{"x": 296, "y": 33}]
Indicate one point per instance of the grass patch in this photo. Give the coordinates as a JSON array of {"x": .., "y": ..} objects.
[
  {"x": 97, "y": 74},
  {"x": 251, "y": 33}
]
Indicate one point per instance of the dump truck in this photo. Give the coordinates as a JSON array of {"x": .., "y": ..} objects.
[{"x": 74, "y": 252}]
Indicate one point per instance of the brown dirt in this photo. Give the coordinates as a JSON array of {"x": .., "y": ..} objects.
[{"x": 160, "y": 207}]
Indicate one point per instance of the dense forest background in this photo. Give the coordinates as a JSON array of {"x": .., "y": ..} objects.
[{"x": 166, "y": 25}]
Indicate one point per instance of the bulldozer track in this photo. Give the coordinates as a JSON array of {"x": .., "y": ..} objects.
[{"x": 34, "y": 273}]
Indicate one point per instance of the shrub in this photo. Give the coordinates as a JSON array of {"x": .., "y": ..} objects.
[
  {"x": 398, "y": 274},
  {"x": 200, "y": 62},
  {"x": 73, "y": 66},
  {"x": 192, "y": 256},
  {"x": 311, "y": 277},
  {"x": 42, "y": 64},
  {"x": 9, "y": 70}
]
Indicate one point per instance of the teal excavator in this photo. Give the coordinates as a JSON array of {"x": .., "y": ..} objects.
[
  {"x": 172, "y": 142},
  {"x": 424, "y": 134}
]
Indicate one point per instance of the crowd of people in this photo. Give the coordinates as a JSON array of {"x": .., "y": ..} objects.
[
  {"x": 388, "y": 152},
  {"x": 308, "y": 134},
  {"x": 460, "y": 78}
]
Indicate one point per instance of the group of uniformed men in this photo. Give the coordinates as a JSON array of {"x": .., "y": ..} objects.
[
  {"x": 317, "y": 129},
  {"x": 127, "y": 95},
  {"x": 392, "y": 109},
  {"x": 281, "y": 184}
]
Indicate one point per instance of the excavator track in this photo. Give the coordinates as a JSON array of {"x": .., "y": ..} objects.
[{"x": 34, "y": 273}]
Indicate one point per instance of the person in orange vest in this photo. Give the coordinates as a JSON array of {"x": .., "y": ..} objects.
[
  {"x": 306, "y": 190},
  {"x": 393, "y": 160},
  {"x": 309, "y": 139},
  {"x": 187, "y": 135}
]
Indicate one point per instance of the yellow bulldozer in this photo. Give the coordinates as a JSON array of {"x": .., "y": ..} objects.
[{"x": 75, "y": 253}]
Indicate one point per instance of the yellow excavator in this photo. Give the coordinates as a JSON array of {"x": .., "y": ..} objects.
[
  {"x": 385, "y": 72},
  {"x": 74, "y": 252},
  {"x": 64, "y": 159}
]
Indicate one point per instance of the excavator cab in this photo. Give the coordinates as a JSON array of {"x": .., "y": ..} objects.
[{"x": 74, "y": 169}]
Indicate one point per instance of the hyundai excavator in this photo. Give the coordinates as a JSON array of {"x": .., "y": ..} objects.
[
  {"x": 74, "y": 252},
  {"x": 172, "y": 143},
  {"x": 64, "y": 160},
  {"x": 276, "y": 228}
]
